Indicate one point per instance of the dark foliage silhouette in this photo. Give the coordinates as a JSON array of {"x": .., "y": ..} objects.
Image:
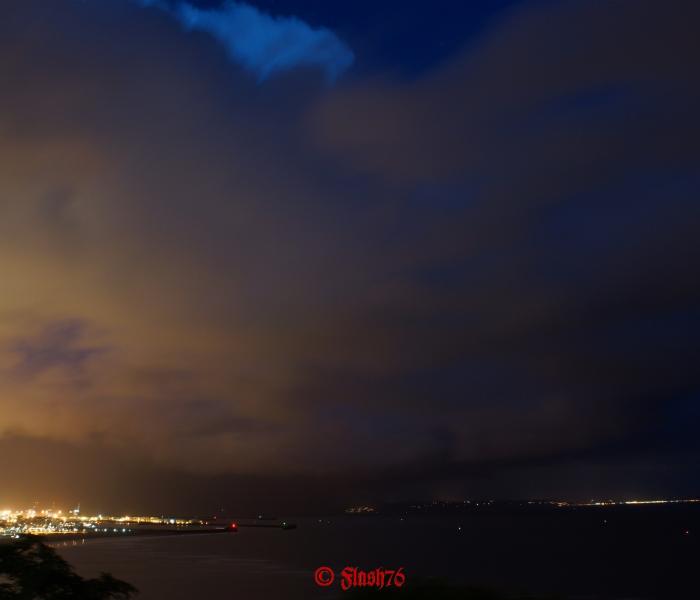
[{"x": 31, "y": 570}]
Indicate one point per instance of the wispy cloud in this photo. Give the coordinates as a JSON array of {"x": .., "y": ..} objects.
[
  {"x": 262, "y": 43},
  {"x": 60, "y": 345}
]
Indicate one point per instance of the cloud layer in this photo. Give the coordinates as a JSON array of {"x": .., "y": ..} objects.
[{"x": 483, "y": 281}]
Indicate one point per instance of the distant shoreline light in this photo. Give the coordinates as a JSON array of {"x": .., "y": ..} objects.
[{"x": 636, "y": 502}]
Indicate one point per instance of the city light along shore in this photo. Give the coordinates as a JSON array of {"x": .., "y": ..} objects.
[{"x": 58, "y": 524}]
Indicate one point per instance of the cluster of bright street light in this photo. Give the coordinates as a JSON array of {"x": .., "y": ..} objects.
[{"x": 14, "y": 523}]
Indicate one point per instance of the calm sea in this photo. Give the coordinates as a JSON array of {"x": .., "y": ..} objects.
[{"x": 645, "y": 553}]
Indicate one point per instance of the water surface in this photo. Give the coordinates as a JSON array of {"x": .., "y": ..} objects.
[{"x": 594, "y": 554}]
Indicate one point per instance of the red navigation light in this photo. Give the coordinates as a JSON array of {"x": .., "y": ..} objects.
[{"x": 233, "y": 527}]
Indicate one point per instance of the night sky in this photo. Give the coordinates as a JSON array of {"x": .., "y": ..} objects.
[{"x": 294, "y": 255}]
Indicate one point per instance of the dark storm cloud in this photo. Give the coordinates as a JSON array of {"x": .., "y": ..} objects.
[
  {"x": 476, "y": 281},
  {"x": 551, "y": 291},
  {"x": 111, "y": 482},
  {"x": 553, "y": 82}
]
